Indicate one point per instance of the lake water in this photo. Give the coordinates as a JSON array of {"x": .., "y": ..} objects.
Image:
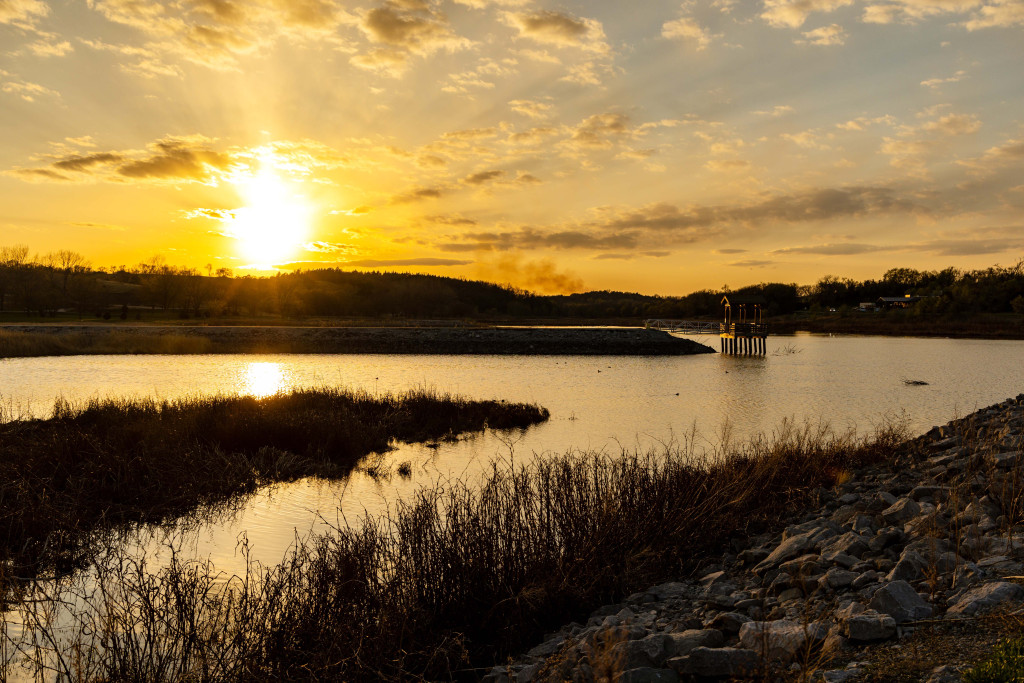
[{"x": 596, "y": 403}]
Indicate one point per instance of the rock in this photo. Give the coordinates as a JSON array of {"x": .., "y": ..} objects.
[
  {"x": 900, "y": 601},
  {"x": 729, "y": 622},
  {"x": 901, "y": 512},
  {"x": 792, "y": 547},
  {"x": 866, "y": 579},
  {"x": 869, "y": 626},
  {"x": 838, "y": 557},
  {"x": 547, "y": 648},
  {"x": 781, "y": 640},
  {"x": 910, "y": 567},
  {"x": 944, "y": 674},
  {"x": 886, "y": 538},
  {"x": 720, "y": 662},
  {"x": 647, "y": 675},
  {"x": 840, "y": 675},
  {"x": 839, "y": 578},
  {"x": 1005, "y": 461},
  {"x": 651, "y": 651},
  {"x": 680, "y": 644},
  {"x": 753, "y": 556},
  {"x": 986, "y": 597},
  {"x": 527, "y": 673}
]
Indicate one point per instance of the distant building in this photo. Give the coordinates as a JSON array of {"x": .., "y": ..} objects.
[
  {"x": 867, "y": 306},
  {"x": 905, "y": 301}
]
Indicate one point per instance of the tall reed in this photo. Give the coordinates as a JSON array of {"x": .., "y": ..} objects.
[
  {"x": 104, "y": 463},
  {"x": 459, "y": 577}
]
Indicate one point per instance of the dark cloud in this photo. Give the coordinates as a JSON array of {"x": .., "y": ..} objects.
[
  {"x": 451, "y": 220},
  {"x": 385, "y": 263},
  {"x": 559, "y": 28},
  {"x": 751, "y": 263},
  {"x": 320, "y": 247},
  {"x": 38, "y": 174},
  {"x": 724, "y": 252},
  {"x": 483, "y": 177},
  {"x": 595, "y": 131},
  {"x": 419, "y": 194},
  {"x": 85, "y": 162},
  {"x": 833, "y": 249},
  {"x": 176, "y": 158},
  {"x": 818, "y": 205},
  {"x": 528, "y": 238}
]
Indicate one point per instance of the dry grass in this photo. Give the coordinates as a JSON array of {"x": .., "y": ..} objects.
[
  {"x": 458, "y": 577},
  {"x": 95, "y": 466}
]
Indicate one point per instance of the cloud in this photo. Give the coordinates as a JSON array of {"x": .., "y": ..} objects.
[
  {"x": 826, "y": 35},
  {"x": 751, "y": 263},
  {"x": 321, "y": 247},
  {"x": 83, "y": 163},
  {"x": 413, "y": 27},
  {"x": 23, "y": 13},
  {"x": 27, "y": 91},
  {"x": 48, "y": 47},
  {"x": 483, "y": 177},
  {"x": 793, "y": 13},
  {"x": 215, "y": 32},
  {"x": 419, "y": 194},
  {"x": 599, "y": 130},
  {"x": 530, "y": 238},
  {"x": 953, "y": 124},
  {"x": 726, "y": 252},
  {"x": 388, "y": 263},
  {"x": 689, "y": 29},
  {"x": 833, "y": 249},
  {"x": 530, "y": 108},
  {"x": 776, "y": 111},
  {"x": 177, "y": 159},
  {"x": 37, "y": 174},
  {"x": 937, "y": 82},
  {"x": 999, "y": 13},
  {"x": 471, "y": 134},
  {"x": 559, "y": 29},
  {"x": 727, "y": 165}
]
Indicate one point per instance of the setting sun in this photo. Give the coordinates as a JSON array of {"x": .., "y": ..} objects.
[{"x": 275, "y": 220}]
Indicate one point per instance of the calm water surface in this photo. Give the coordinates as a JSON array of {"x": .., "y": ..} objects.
[{"x": 596, "y": 403}]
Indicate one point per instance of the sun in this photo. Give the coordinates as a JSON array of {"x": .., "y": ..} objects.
[{"x": 275, "y": 221}]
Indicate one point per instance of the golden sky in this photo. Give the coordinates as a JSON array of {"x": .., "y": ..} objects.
[{"x": 658, "y": 147}]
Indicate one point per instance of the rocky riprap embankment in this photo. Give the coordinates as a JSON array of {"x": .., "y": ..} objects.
[
  {"x": 930, "y": 535},
  {"x": 407, "y": 340}
]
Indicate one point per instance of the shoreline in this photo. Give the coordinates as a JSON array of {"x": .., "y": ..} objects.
[
  {"x": 906, "y": 570},
  {"x": 46, "y": 340}
]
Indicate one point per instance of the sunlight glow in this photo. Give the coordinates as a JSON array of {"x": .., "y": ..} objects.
[
  {"x": 275, "y": 221},
  {"x": 264, "y": 379}
]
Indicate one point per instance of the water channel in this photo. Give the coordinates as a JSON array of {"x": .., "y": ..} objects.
[{"x": 596, "y": 403}]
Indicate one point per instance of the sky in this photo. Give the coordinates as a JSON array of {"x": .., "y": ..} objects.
[{"x": 656, "y": 147}]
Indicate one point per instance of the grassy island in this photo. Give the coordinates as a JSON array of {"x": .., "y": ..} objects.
[{"x": 92, "y": 467}]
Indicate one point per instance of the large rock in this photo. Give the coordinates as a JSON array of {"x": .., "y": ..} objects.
[
  {"x": 651, "y": 651},
  {"x": 718, "y": 662},
  {"x": 647, "y": 675},
  {"x": 910, "y": 567},
  {"x": 986, "y": 597},
  {"x": 795, "y": 546},
  {"x": 680, "y": 644},
  {"x": 869, "y": 626},
  {"x": 901, "y": 512},
  {"x": 900, "y": 601},
  {"x": 781, "y": 640}
]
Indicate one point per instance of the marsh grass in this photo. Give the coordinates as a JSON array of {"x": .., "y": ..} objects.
[
  {"x": 92, "y": 467},
  {"x": 456, "y": 578}
]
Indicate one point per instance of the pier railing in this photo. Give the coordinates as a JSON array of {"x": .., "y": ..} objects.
[
  {"x": 683, "y": 326},
  {"x": 744, "y": 329}
]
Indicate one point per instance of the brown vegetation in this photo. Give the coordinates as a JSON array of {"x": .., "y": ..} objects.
[
  {"x": 89, "y": 468},
  {"x": 459, "y": 577}
]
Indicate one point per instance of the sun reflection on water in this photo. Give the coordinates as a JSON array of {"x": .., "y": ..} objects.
[{"x": 264, "y": 379}]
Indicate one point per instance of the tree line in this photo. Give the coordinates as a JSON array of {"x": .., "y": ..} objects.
[{"x": 65, "y": 282}]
